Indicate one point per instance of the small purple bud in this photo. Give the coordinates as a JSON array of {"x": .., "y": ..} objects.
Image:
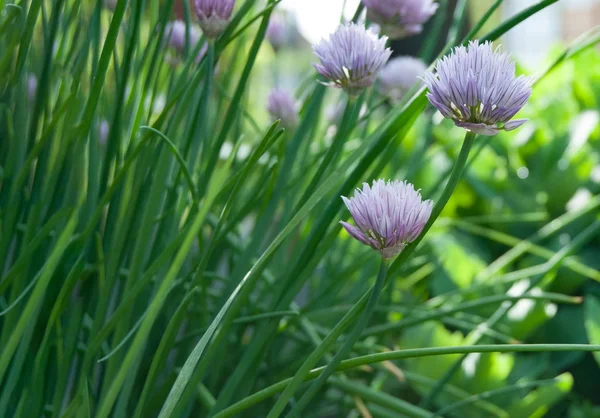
[
  {"x": 400, "y": 18},
  {"x": 351, "y": 58},
  {"x": 175, "y": 34},
  {"x": 388, "y": 215},
  {"x": 276, "y": 32},
  {"x": 282, "y": 105},
  {"x": 476, "y": 87},
  {"x": 214, "y": 15},
  {"x": 103, "y": 130},
  {"x": 399, "y": 76},
  {"x": 31, "y": 87}
]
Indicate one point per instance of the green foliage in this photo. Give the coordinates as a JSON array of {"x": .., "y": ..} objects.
[{"x": 167, "y": 250}]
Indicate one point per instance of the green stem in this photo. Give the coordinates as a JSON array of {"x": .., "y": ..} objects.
[
  {"x": 344, "y": 129},
  {"x": 514, "y": 21},
  {"x": 482, "y": 21},
  {"x": 494, "y": 392},
  {"x": 337, "y": 359},
  {"x": 455, "y": 177},
  {"x": 355, "y": 362}
]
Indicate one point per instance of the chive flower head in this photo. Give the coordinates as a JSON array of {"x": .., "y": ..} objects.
[
  {"x": 400, "y": 18},
  {"x": 214, "y": 15},
  {"x": 388, "y": 215},
  {"x": 351, "y": 57},
  {"x": 399, "y": 76},
  {"x": 282, "y": 105},
  {"x": 477, "y": 88}
]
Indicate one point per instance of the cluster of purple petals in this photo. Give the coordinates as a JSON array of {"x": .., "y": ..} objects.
[
  {"x": 214, "y": 15},
  {"x": 352, "y": 57},
  {"x": 476, "y": 87},
  {"x": 400, "y": 18},
  {"x": 388, "y": 215}
]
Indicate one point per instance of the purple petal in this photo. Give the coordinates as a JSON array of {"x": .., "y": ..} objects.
[{"x": 514, "y": 124}]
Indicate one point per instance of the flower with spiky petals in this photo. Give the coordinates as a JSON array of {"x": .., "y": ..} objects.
[
  {"x": 388, "y": 215},
  {"x": 282, "y": 105},
  {"x": 476, "y": 87},
  {"x": 399, "y": 76},
  {"x": 276, "y": 32},
  {"x": 214, "y": 15},
  {"x": 400, "y": 18},
  {"x": 351, "y": 58}
]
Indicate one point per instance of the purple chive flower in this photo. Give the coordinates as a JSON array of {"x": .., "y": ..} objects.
[
  {"x": 389, "y": 215},
  {"x": 400, "y": 18},
  {"x": 351, "y": 57},
  {"x": 175, "y": 35},
  {"x": 214, "y": 15},
  {"x": 399, "y": 76},
  {"x": 476, "y": 87},
  {"x": 282, "y": 105},
  {"x": 276, "y": 32}
]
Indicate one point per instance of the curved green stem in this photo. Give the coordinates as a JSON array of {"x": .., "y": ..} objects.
[
  {"x": 455, "y": 176},
  {"x": 355, "y": 362},
  {"x": 491, "y": 393}
]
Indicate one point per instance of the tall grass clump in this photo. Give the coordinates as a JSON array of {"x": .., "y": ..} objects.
[{"x": 173, "y": 240}]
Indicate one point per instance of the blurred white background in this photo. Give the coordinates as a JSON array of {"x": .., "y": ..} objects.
[{"x": 530, "y": 41}]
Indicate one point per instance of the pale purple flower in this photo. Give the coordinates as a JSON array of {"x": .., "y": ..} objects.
[
  {"x": 351, "y": 57},
  {"x": 214, "y": 15},
  {"x": 31, "y": 87},
  {"x": 175, "y": 34},
  {"x": 103, "y": 130},
  {"x": 276, "y": 32},
  {"x": 388, "y": 215},
  {"x": 282, "y": 105},
  {"x": 400, "y": 18},
  {"x": 476, "y": 87},
  {"x": 399, "y": 76}
]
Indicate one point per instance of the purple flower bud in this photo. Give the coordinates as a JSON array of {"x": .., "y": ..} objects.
[
  {"x": 388, "y": 215},
  {"x": 351, "y": 57},
  {"x": 282, "y": 105},
  {"x": 276, "y": 32},
  {"x": 31, "y": 87},
  {"x": 399, "y": 76},
  {"x": 103, "y": 130},
  {"x": 175, "y": 35},
  {"x": 214, "y": 15},
  {"x": 400, "y": 18},
  {"x": 476, "y": 87}
]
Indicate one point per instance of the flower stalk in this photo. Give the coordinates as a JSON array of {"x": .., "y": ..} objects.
[{"x": 337, "y": 359}]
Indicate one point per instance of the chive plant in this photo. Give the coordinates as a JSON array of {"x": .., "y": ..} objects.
[{"x": 168, "y": 248}]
